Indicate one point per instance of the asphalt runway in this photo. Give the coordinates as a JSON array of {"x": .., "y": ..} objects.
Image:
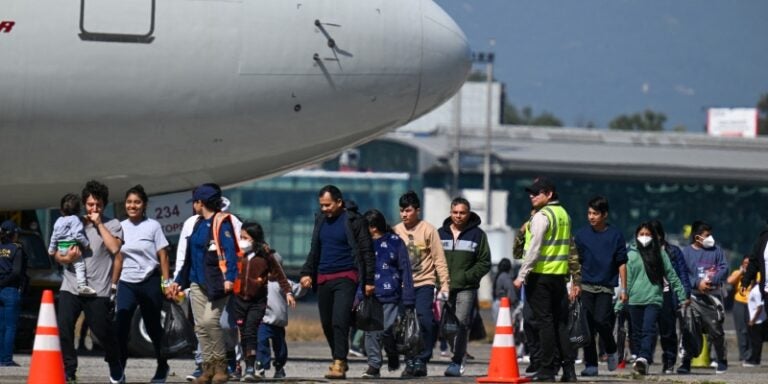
[{"x": 309, "y": 361}]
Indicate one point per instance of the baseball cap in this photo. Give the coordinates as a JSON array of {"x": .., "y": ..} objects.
[
  {"x": 206, "y": 192},
  {"x": 539, "y": 184},
  {"x": 9, "y": 226}
]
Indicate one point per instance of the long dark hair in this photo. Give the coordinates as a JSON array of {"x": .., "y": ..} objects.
[
  {"x": 256, "y": 232},
  {"x": 651, "y": 255},
  {"x": 504, "y": 266},
  {"x": 376, "y": 219}
]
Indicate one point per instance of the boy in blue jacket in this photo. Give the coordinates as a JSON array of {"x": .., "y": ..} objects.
[{"x": 393, "y": 285}]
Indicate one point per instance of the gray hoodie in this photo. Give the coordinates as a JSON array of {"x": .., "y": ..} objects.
[{"x": 277, "y": 307}]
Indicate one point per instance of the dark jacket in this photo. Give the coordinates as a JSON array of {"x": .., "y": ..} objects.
[
  {"x": 757, "y": 263},
  {"x": 254, "y": 275},
  {"x": 214, "y": 278},
  {"x": 13, "y": 266},
  {"x": 359, "y": 241},
  {"x": 678, "y": 263},
  {"x": 393, "y": 278},
  {"x": 469, "y": 257}
]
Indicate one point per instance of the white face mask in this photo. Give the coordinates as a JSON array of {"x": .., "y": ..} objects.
[
  {"x": 644, "y": 240},
  {"x": 245, "y": 245},
  {"x": 708, "y": 242}
]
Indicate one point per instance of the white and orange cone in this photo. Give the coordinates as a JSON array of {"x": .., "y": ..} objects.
[
  {"x": 503, "y": 366},
  {"x": 47, "y": 362}
]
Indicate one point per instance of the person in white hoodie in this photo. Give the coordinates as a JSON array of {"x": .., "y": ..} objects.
[{"x": 272, "y": 328}]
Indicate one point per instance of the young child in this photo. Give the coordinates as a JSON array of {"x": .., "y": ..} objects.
[
  {"x": 756, "y": 326},
  {"x": 272, "y": 328},
  {"x": 68, "y": 231},
  {"x": 251, "y": 302}
]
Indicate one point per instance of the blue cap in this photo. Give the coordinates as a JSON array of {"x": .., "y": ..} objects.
[
  {"x": 9, "y": 226},
  {"x": 206, "y": 192}
]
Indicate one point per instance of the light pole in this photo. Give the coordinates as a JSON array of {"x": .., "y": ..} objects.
[{"x": 487, "y": 58}]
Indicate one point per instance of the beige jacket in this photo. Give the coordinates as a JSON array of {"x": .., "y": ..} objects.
[{"x": 426, "y": 254}]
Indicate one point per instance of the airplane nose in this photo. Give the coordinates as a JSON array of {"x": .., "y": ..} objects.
[{"x": 445, "y": 58}]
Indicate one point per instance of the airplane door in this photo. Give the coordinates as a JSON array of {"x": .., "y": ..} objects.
[{"x": 119, "y": 21}]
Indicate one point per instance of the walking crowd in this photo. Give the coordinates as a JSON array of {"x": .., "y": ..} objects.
[{"x": 631, "y": 293}]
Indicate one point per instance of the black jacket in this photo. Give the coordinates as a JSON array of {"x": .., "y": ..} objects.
[
  {"x": 359, "y": 240},
  {"x": 757, "y": 263}
]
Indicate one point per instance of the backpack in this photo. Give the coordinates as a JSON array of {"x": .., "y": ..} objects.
[{"x": 218, "y": 219}]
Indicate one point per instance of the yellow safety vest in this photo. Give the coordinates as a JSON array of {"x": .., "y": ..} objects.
[{"x": 555, "y": 246}]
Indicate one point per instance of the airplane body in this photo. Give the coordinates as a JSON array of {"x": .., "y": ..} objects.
[{"x": 174, "y": 93}]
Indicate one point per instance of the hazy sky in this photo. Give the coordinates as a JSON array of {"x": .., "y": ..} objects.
[{"x": 592, "y": 60}]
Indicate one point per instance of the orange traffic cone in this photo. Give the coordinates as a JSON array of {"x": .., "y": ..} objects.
[
  {"x": 47, "y": 363},
  {"x": 503, "y": 366}
]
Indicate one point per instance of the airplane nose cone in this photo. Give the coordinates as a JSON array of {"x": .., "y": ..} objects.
[{"x": 445, "y": 58}]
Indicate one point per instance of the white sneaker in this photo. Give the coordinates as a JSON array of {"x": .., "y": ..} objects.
[{"x": 84, "y": 290}]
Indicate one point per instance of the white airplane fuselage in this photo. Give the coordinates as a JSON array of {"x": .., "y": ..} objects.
[{"x": 174, "y": 93}]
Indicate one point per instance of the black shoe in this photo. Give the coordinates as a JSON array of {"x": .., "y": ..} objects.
[
  {"x": 569, "y": 374},
  {"x": 393, "y": 362},
  {"x": 408, "y": 371},
  {"x": 420, "y": 369},
  {"x": 531, "y": 368},
  {"x": 161, "y": 373},
  {"x": 541, "y": 377},
  {"x": 685, "y": 368},
  {"x": 371, "y": 373}
]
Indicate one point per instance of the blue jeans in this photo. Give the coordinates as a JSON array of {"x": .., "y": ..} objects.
[
  {"x": 644, "y": 330},
  {"x": 275, "y": 333},
  {"x": 425, "y": 295},
  {"x": 10, "y": 299}
]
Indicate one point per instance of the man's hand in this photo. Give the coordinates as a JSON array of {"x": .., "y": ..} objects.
[
  {"x": 171, "y": 291},
  {"x": 290, "y": 300},
  {"x": 369, "y": 289},
  {"x": 228, "y": 285},
  {"x": 442, "y": 295},
  {"x": 575, "y": 292},
  {"x": 518, "y": 283},
  {"x": 306, "y": 282},
  {"x": 95, "y": 218}
]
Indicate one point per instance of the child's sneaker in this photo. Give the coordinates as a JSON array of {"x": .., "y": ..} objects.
[{"x": 84, "y": 290}]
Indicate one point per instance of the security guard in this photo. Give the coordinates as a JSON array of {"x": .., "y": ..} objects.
[{"x": 545, "y": 272}]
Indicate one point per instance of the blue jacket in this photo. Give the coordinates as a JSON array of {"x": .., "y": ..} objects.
[
  {"x": 706, "y": 259},
  {"x": 201, "y": 266},
  {"x": 393, "y": 278},
  {"x": 678, "y": 263}
]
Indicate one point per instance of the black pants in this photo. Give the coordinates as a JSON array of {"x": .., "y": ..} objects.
[
  {"x": 548, "y": 298},
  {"x": 756, "y": 343},
  {"x": 248, "y": 316},
  {"x": 334, "y": 301},
  {"x": 149, "y": 299},
  {"x": 599, "y": 310},
  {"x": 96, "y": 311},
  {"x": 667, "y": 322}
]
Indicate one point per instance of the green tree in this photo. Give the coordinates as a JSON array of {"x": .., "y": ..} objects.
[
  {"x": 762, "y": 110},
  {"x": 648, "y": 120}
]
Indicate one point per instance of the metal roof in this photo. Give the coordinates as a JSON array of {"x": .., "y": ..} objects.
[{"x": 604, "y": 153}]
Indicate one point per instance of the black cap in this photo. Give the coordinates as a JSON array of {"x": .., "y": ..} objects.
[
  {"x": 9, "y": 226},
  {"x": 541, "y": 183}
]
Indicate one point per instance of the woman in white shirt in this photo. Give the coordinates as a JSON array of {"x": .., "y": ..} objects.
[{"x": 143, "y": 269}]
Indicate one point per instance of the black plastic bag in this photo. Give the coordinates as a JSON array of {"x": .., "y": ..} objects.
[
  {"x": 449, "y": 324},
  {"x": 178, "y": 332},
  {"x": 477, "y": 329},
  {"x": 709, "y": 313},
  {"x": 578, "y": 325},
  {"x": 408, "y": 333},
  {"x": 691, "y": 332},
  {"x": 369, "y": 314}
]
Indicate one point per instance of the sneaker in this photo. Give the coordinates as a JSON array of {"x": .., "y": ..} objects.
[
  {"x": 589, "y": 371},
  {"x": 722, "y": 366},
  {"x": 249, "y": 376},
  {"x": 161, "y": 374},
  {"x": 234, "y": 371},
  {"x": 393, "y": 362},
  {"x": 632, "y": 359},
  {"x": 195, "y": 374},
  {"x": 713, "y": 364},
  {"x": 613, "y": 361},
  {"x": 445, "y": 354},
  {"x": 641, "y": 366},
  {"x": 116, "y": 374},
  {"x": 420, "y": 369},
  {"x": 84, "y": 290},
  {"x": 9, "y": 364},
  {"x": 356, "y": 352},
  {"x": 684, "y": 368},
  {"x": 453, "y": 370},
  {"x": 408, "y": 372},
  {"x": 668, "y": 369},
  {"x": 747, "y": 364},
  {"x": 371, "y": 373},
  {"x": 279, "y": 373}
]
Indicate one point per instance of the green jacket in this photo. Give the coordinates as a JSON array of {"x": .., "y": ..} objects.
[
  {"x": 469, "y": 257},
  {"x": 640, "y": 289}
]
